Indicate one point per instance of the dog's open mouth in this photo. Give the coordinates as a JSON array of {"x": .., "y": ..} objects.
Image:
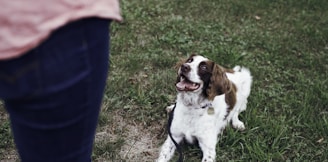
[{"x": 186, "y": 85}]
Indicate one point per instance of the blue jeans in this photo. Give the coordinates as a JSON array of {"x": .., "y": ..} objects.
[{"x": 53, "y": 93}]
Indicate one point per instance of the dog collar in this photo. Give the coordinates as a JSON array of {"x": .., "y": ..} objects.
[
  {"x": 209, "y": 107},
  {"x": 206, "y": 105}
]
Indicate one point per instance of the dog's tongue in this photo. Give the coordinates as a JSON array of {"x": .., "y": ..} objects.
[
  {"x": 186, "y": 86},
  {"x": 181, "y": 86}
]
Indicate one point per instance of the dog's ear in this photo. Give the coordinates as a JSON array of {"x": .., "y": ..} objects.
[
  {"x": 217, "y": 84},
  {"x": 220, "y": 84}
]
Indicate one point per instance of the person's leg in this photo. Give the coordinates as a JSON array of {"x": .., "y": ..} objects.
[{"x": 53, "y": 93}]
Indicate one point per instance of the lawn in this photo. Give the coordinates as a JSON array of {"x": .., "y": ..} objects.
[{"x": 284, "y": 43}]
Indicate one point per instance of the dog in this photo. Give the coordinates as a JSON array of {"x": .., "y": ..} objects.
[{"x": 209, "y": 96}]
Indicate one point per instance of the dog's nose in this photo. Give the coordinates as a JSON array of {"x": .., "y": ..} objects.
[{"x": 185, "y": 68}]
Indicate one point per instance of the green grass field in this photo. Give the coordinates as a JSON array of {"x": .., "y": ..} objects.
[{"x": 284, "y": 43}]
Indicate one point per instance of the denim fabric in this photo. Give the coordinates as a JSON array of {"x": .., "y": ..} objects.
[{"x": 53, "y": 93}]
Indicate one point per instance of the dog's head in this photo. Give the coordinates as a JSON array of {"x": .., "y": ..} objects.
[{"x": 200, "y": 75}]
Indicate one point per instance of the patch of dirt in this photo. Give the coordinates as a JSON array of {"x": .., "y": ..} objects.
[
  {"x": 140, "y": 143},
  {"x": 10, "y": 156}
]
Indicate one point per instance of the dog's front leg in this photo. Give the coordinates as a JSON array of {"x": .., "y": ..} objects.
[
  {"x": 208, "y": 146},
  {"x": 168, "y": 149}
]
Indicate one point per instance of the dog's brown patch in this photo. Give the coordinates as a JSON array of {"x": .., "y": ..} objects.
[{"x": 220, "y": 84}]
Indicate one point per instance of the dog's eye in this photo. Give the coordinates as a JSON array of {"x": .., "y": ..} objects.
[
  {"x": 190, "y": 60},
  {"x": 203, "y": 67}
]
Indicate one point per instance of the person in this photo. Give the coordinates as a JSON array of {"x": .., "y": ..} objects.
[{"x": 54, "y": 58}]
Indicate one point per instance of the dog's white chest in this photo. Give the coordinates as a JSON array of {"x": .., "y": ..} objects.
[
  {"x": 196, "y": 121},
  {"x": 188, "y": 123}
]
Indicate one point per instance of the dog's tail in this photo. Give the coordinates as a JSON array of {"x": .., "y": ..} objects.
[{"x": 246, "y": 79}]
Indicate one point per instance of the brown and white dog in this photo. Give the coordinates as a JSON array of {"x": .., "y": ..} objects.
[{"x": 209, "y": 97}]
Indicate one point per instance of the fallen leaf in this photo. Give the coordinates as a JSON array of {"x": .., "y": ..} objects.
[
  {"x": 320, "y": 140},
  {"x": 257, "y": 17}
]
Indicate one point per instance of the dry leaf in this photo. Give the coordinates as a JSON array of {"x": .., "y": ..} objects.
[{"x": 320, "y": 140}]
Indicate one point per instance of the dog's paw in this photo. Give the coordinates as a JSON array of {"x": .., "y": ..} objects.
[
  {"x": 210, "y": 159},
  {"x": 161, "y": 159},
  {"x": 237, "y": 68},
  {"x": 169, "y": 108},
  {"x": 239, "y": 125}
]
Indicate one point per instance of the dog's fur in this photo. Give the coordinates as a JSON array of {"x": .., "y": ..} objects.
[{"x": 209, "y": 97}]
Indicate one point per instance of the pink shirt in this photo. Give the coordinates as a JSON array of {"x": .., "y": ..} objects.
[{"x": 24, "y": 24}]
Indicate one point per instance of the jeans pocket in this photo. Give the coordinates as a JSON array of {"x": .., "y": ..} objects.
[
  {"x": 65, "y": 59},
  {"x": 56, "y": 64},
  {"x": 19, "y": 77}
]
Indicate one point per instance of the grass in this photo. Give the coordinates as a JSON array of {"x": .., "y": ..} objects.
[{"x": 284, "y": 43}]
